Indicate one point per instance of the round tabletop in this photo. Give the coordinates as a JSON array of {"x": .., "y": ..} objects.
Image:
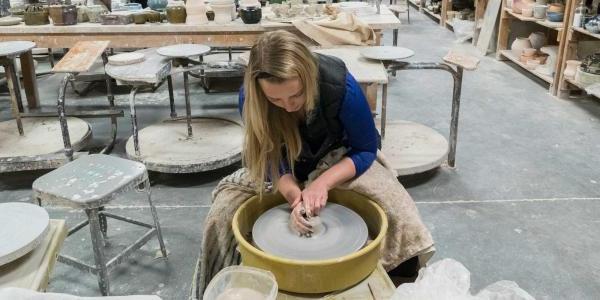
[
  {"x": 183, "y": 50},
  {"x": 15, "y": 47},
  {"x": 386, "y": 53},
  {"x": 23, "y": 226}
]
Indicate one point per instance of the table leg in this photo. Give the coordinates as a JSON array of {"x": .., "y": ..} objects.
[
  {"x": 383, "y": 110},
  {"x": 454, "y": 121},
  {"x": 29, "y": 80},
  {"x": 136, "y": 145},
  {"x": 15, "y": 91},
  {"x": 111, "y": 102},
  {"x": 188, "y": 109}
]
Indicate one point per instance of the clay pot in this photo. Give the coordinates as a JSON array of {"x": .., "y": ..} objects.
[
  {"x": 176, "y": 14},
  {"x": 527, "y": 12},
  {"x": 63, "y": 14},
  {"x": 94, "y": 11},
  {"x": 140, "y": 18},
  {"x": 210, "y": 15},
  {"x": 571, "y": 68},
  {"x": 196, "y": 12},
  {"x": 550, "y": 67},
  {"x": 153, "y": 17},
  {"x": 519, "y": 45},
  {"x": 36, "y": 15},
  {"x": 538, "y": 40},
  {"x": 251, "y": 15},
  {"x": 223, "y": 13},
  {"x": 539, "y": 11}
]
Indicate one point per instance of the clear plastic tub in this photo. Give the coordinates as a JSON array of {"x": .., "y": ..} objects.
[{"x": 239, "y": 282}]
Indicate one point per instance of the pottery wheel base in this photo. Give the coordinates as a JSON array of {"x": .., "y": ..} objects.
[
  {"x": 166, "y": 148},
  {"x": 342, "y": 232},
  {"x": 412, "y": 148},
  {"x": 41, "y": 140},
  {"x": 23, "y": 226}
]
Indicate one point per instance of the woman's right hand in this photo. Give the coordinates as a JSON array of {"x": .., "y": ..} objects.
[{"x": 299, "y": 222}]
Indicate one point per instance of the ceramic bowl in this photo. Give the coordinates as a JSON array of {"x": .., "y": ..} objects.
[
  {"x": 555, "y": 16},
  {"x": 529, "y": 51},
  {"x": 556, "y": 8},
  {"x": 316, "y": 275},
  {"x": 527, "y": 12}
]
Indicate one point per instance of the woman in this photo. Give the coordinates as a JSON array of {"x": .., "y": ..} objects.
[{"x": 308, "y": 129}]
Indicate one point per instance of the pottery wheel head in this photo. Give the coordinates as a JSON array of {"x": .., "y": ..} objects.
[{"x": 341, "y": 232}]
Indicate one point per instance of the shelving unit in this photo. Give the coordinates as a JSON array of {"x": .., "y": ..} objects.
[
  {"x": 432, "y": 14},
  {"x": 554, "y": 32},
  {"x": 573, "y": 36}
]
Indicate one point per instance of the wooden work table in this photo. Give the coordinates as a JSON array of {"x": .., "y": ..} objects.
[{"x": 156, "y": 35}]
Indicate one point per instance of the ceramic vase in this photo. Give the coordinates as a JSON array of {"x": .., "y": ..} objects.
[
  {"x": 94, "y": 12},
  {"x": 538, "y": 40},
  {"x": 63, "y": 14},
  {"x": 519, "y": 45},
  {"x": 196, "y": 12},
  {"x": 36, "y": 15},
  {"x": 571, "y": 68},
  {"x": 251, "y": 15},
  {"x": 176, "y": 13},
  {"x": 550, "y": 66}
]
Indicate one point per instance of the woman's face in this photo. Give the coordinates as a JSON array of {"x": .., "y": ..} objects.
[{"x": 288, "y": 94}]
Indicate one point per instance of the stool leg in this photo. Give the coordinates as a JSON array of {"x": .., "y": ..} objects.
[
  {"x": 155, "y": 217},
  {"x": 188, "y": 109},
  {"x": 15, "y": 92},
  {"x": 103, "y": 223},
  {"x": 171, "y": 97},
  {"x": 63, "y": 118},
  {"x": 98, "y": 245},
  {"x": 136, "y": 145}
]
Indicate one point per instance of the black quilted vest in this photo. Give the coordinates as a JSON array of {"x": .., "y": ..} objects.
[{"x": 322, "y": 131}]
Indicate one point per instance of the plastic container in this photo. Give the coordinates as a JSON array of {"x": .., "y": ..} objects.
[{"x": 240, "y": 282}]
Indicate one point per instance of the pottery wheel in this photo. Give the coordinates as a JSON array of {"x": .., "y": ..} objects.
[
  {"x": 386, "y": 52},
  {"x": 23, "y": 226},
  {"x": 126, "y": 58},
  {"x": 42, "y": 136},
  {"x": 412, "y": 148},
  {"x": 344, "y": 232},
  {"x": 8, "y": 21},
  {"x": 15, "y": 47},
  {"x": 183, "y": 50},
  {"x": 165, "y": 147}
]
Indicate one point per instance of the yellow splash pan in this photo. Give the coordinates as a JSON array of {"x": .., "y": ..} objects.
[{"x": 318, "y": 276}]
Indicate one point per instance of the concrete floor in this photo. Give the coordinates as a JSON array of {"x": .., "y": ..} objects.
[{"x": 521, "y": 204}]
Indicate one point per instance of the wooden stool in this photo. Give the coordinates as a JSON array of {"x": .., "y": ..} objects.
[{"x": 90, "y": 183}]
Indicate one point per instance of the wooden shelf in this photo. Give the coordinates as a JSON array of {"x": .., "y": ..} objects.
[
  {"x": 575, "y": 83},
  {"x": 543, "y": 22},
  {"x": 430, "y": 13},
  {"x": 414, "y": 3},
  {"x": 508, "y": 54},
  {"x": 583, "y": 31}
]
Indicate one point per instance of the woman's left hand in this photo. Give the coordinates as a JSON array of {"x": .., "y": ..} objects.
[{"x": 314, "y": 197}]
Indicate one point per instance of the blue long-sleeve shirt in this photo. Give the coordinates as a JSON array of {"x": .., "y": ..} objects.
[{"x": 359, "y": 127}]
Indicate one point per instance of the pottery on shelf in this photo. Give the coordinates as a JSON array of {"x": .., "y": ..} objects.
[
  {"x": 532, "y": 64},
  {"x": 9, "y": 21},
  {"x": 519, "y": 45},
  {"x": 222, "y": 13},
  {"x": 176, "y": 13},
  {"x": 556, "y": 8},
  {"x": 82, "y": 14},
  {"x": 529, "y": 51},
  {"x": 63, "y": 14},
  {"x": 555, "y": 16},
  {"x": 196, "y": 12},
  {"x": 36, "y": 15},
  {"x": 94, "y": 12},
  {"x": 140, "y": 17},
  {"x": 527, "y": 12},
  {"x": 210, "y": 15},
  {"x": 571, "y": 68},
  {"x": 550, "y": 66},
  {"x": 593, "y": 25},
  {"x": 538, "y": 40},
  {"x": 518, "y": 5},
  {"x": 541, "y": 2},
  {"x": 539, "y": 11},
  {"x": 251, "y": 15},
  {"x": 157, "y": 4},
  {"x": 591, "y": 64},
  {"x": 586, "y": 79}
]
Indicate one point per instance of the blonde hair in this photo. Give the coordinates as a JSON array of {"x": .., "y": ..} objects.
[{"x": 277, "y": 56}]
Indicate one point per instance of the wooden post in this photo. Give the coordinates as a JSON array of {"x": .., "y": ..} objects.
[
  {"x": 568, "y": 51},
  {"x": 503, "y": 31},
  {"x": 480, "y": 6},
  {"x": 444, "y": 11}
]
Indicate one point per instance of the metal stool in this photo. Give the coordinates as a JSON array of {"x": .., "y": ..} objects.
[{"x": 90, "y": 183}]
